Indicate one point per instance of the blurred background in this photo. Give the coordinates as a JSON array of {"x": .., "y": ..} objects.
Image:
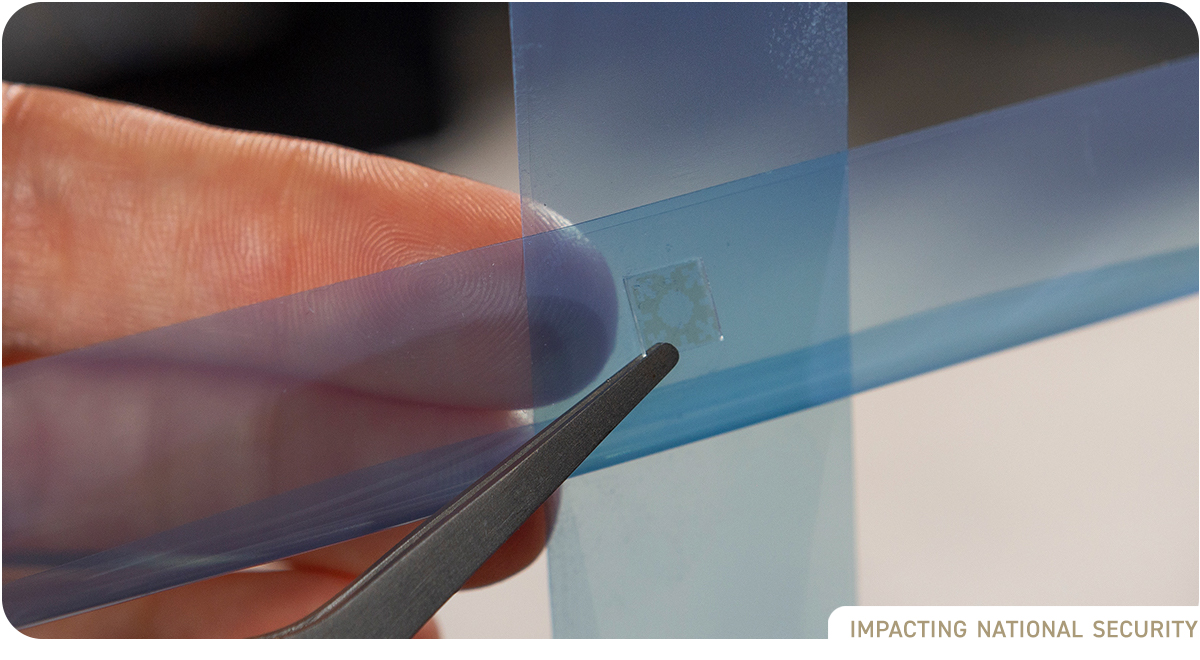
[
  {"x": 432, "y": 83},
  {"x": 405, "y": 78}
]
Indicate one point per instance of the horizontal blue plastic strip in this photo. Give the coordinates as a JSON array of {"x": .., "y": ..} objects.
[
  {"x": 1071, "y": 182},
  {"x": 413, "y": 487},
  {"x": 227, "y": 441},
  {"x": 962, "y": 331},
  {"x": 327, "y": 512},
  {"x": 706, "y": 406}
]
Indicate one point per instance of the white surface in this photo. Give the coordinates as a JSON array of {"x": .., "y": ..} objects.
[
  {"x": 516, "y": 608},
  {"x": 1061, "y": 472}
]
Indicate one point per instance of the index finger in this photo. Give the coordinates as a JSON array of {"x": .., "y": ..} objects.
[{"x": 119, "y": 219}]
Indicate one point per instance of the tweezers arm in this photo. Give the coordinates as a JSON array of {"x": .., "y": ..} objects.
[{"x": 403, "y": 590}]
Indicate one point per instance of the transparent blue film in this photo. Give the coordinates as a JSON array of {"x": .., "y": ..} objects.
[
  {"x": 1080, "y": 180},
  {"x": 225, "y": 442},
  {"x": 621, "y": 105},
  {"x": 1009, "y": 226},
  {"x": 746, "y": 534},
  {"x": 774, "y": 254},
  {"x": 701, "y": 150}
]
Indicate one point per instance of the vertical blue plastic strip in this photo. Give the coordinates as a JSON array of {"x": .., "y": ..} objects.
[
  {"x": 701, "y": 150},
  {"x": 621, "y": 105},
  {"x": 747, "y": 534}
]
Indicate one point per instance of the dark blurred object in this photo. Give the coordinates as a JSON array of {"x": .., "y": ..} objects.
[
  {"x": 917, "y": 65},
  {"x": 361, "y": 75},
  {"x": 370, "y": 76}
]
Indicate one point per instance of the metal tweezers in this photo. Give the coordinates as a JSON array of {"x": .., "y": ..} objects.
[{"x": 403, "y": 590}]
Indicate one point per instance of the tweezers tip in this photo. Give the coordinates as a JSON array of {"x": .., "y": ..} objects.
[{"x": 664, "y": 352}]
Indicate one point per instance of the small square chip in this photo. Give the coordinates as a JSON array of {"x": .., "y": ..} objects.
[{"x": 674, "y": 304}]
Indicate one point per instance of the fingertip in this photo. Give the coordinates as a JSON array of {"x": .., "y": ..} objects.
[
  {"x": 572, "y": 307},
  {"x": 10, "y": 94},
  {"x": 429, "y": 631}
]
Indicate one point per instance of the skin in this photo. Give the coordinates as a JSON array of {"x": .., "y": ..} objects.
[{"x": 118, "y": 219}]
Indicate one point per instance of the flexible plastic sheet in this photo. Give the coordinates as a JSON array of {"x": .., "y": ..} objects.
[
  {"x": 681, "y": 96},
  {"x": 958, "y": 241},
  {"x": 228, "y": 441},
  {"x": 701, "y": 150}
]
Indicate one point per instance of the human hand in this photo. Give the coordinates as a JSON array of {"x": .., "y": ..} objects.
[{"x": 118, "y": 219}]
